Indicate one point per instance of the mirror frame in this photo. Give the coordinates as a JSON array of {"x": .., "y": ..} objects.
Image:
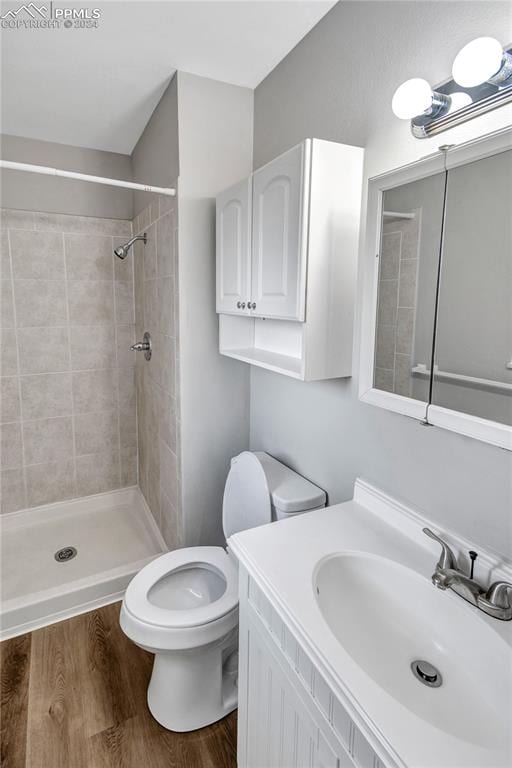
[{"x": 472, "y": 426}]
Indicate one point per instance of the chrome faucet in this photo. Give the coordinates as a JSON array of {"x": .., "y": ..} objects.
[{"x": 494, "y": 601}]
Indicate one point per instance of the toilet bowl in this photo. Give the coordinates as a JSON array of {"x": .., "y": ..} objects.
[{"x": 183, "y": 606}]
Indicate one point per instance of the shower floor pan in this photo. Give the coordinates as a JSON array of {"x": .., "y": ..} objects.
[{"x": 43, "y": 581}]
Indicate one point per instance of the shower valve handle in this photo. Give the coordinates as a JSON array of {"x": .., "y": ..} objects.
[{"x": 143, "y": 346}]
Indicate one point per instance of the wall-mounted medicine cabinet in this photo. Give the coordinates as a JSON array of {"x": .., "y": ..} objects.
[
  {"x": 437, "y": 322},
  {"x": 287, "y": 241}
]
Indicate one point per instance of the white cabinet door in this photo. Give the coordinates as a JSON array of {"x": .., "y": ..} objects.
[
  {"x": 279, "y": 243},
  {"x": 233, "y": 218}
]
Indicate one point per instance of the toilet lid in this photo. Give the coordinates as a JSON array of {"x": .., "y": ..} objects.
[{"x": 246, "y": 495}]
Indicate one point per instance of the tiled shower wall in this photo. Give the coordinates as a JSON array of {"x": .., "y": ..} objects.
[
  {"x": 156, "y": 311},
  {"x": 67, "y": 408},
  {"x": 398, "y": 278}
]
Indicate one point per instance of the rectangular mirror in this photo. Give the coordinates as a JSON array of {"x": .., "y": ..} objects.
[
  {"x": 436, "y": 340},
  {"x": 473, "y": 347}
]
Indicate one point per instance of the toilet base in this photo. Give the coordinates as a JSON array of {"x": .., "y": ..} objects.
[{"x": 192, "y": 688}]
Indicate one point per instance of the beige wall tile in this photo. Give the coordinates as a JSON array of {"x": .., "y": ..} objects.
[
  {"x": 165, "y": 245},
  {"x": 403, "y": 375},
  {"x": 9, "y": 399},
  {"x": 170, "y": 523},
  {"x": 150, "y": 305},
  {"x": 96, "y": 432},
  {"x": 92, "y": 347},
  {"x": 48, "y": 440},
  {"x": 165, "y": 306},
  {"x": 385, "y": 349},
  {"x": 168, "y": 473},
  {"x": 46, "y": 395},
  {"x": 125, "y": 337},
  {"x": 404, "y": 330},
  {"x": 125, "y": 314},
  {"x": 40, "y": 302},
  {"x": 388, "y": 292},
  {"x": 8, "y": 353},
  {"x": 126, "y": 388},
  {"x": 37, "y": 255},
  {"x": 11, "y": 218},
  {"x": 384, "y": 379},
  {"x": 6, "y": 305},
  {"x": 166, "y": 203},
  {"x": 95, "y": 391},
  {"x": 43, "y": 350},
  {"x": 11, "y": 455},
  {"x": 50, "y": 482},
  {"x": 390, "y": 256},
  {"x": 91, "y": 302},
  {"x": 127, "y": 428},
  {"x": 5, "y": 256},
  {"x": 97, "y": 473},
  {"x": 128, "y": 466},
  {"x": 62, "y": 222},
  {"x": 12, "y": 490},
  {"x": 148, "y": 253},
  {"x": 408, "y": 274},
  {"x": 89, "y": 257}
]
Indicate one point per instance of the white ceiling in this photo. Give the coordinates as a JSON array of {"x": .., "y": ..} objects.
[{"x": 98, "y": 87}]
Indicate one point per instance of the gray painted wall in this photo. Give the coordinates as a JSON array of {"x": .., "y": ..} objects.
[
  {"x": 215, "y": 139},
  {"x": 337, "y": 84},
  {"x": 155, "y": 158},
  {"x": 34, "y": 192}
]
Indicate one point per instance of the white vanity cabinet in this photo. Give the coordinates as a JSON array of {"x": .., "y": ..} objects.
[
  {"x": 233, "y": 248},
  {"x": 287, "y": 243},
  {"x": 287, "y": 715}
]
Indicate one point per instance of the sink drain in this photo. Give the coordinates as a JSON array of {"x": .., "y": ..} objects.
[
  {"x": 426, "y": 673},
  {"x": 65, "y": 554}
]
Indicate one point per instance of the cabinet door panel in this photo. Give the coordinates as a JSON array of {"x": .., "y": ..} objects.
[
  {"x": 279, "y": 248},
  {"x": 233, "y": 235}
]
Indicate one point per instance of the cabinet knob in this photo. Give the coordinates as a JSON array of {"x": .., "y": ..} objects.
[
  {"x": 252, "y": 306},
  {"x": 243, "y": 304},
  {"x": 239, "y": 304}
]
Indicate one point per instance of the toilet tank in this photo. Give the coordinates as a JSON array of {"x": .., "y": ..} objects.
[{"x": 290, "y": 493}]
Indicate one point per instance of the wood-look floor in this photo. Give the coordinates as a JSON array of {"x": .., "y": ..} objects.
[{"x": 74, "y": 696}]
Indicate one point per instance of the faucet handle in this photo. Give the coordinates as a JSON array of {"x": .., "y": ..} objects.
[
  {"x": 447, "y": 559},
  {"x": 497, "y": 594}
]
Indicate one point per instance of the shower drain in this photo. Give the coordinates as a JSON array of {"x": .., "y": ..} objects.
[
  {"x": 64, "y": 554},
  {"x": 426, "y": 673}
]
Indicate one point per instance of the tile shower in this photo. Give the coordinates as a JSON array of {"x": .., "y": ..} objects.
[{"x": 68, "y": 410}]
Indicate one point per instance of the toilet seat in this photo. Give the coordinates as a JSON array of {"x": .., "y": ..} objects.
[{"x": 138, "y": 603}]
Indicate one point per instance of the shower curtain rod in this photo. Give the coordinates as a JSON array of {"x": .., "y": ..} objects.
[{"x": 85, "y": 177}]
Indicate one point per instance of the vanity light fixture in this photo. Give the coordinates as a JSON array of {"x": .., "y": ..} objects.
[{"x": 482, "y": 81}]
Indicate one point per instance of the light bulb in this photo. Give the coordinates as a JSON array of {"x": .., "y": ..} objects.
[
  {"x": 459, "y": 100},
  {"x": 478, "y": 62},
  {"x": 412, "y": 98}
]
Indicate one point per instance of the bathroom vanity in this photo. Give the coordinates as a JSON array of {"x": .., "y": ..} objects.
[{"x": 336, "y": 609}]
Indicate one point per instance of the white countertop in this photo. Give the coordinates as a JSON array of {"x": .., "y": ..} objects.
[{"x": 282, "y": 557}]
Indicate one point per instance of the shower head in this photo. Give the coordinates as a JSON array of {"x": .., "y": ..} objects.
[{"x": 122, "y": 251}]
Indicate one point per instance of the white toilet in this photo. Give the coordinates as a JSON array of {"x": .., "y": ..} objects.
[{"x": 183, "y": 607}]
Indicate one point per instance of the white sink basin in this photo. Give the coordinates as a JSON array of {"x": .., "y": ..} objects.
[{"x": 385, "y": 616}]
